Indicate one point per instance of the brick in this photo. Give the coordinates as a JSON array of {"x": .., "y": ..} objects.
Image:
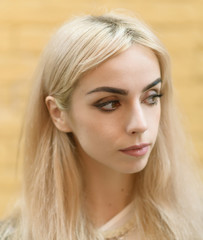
[
  {"x": 5, "y": 43},
  {"x": 15, "y": 67},
  {"x": 181, "y": 40},
  {"x": 26, "y": 26},
  {"x": 33, "y": 12},
  {"x": 55, "y": 12},
  {"x": 33, "y": 38},
  {"x": 160, "y": 12}
]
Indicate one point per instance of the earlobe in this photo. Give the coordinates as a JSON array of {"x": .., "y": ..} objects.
[{"x": 58, "y": 116}]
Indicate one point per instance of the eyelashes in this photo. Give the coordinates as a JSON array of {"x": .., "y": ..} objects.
[
  {"x": 152, "y": 99},
  {"x": 108, "y": 106},
  {"x": 112, "y": 105}
]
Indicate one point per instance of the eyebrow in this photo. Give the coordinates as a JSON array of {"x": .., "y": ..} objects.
[
  {"x": 109, "y": 89},
  {"x": 157, "y": 81},
  {"x": 123, "y": 91}
]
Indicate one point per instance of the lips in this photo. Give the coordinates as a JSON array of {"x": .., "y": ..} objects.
[{"x": 136, "y": 150}]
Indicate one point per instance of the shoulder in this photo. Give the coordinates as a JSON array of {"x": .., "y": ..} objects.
[
  {"x": 10, "y": 227},
  {"x": 6, "y": 230}
]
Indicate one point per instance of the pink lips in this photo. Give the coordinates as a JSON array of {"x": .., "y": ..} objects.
[{"x": 136, "y": 150}]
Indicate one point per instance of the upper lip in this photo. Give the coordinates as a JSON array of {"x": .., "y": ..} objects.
[{"x": 134, "y": 147}]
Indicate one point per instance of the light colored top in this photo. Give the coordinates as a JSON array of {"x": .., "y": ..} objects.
[{"x": 121, "y": 226}]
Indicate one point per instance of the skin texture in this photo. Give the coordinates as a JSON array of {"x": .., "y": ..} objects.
[
  {"x": 133, "y": 120},
  {"x": 103, "y": 123}
]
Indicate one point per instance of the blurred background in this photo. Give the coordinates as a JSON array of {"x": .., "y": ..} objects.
[{"x": 25, "y": 28}]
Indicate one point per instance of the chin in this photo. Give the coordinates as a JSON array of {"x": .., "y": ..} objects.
[
  {"x": 135, "y": 167},
  {"x": 132, "y": 171}
]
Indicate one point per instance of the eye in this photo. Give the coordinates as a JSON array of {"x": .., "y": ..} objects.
[
  {"x": 108, "y": 106},
  {"x": 152, "y": 99}
]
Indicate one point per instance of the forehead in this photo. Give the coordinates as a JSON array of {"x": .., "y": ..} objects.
[{"x": 134, "y": 68}]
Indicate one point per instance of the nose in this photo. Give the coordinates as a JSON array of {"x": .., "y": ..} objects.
[{"x": 136, "y": 122}]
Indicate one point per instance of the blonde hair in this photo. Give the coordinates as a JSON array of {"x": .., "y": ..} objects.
[{"x": 168, "y": 203}]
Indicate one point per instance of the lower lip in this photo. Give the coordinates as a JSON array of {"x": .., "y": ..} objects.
[{"x": 137, "y": 152}]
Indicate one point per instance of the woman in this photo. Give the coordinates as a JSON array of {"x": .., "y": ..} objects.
[{"x": 104, "y": 153}]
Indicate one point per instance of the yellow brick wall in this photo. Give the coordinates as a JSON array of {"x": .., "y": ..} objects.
[{"x": 26, "y": 26}]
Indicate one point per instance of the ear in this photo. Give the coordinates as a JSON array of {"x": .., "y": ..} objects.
[{"x": 59, "y": 117}]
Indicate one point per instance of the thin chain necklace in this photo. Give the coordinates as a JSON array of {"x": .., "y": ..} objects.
[{"x": 120, "y": 233}]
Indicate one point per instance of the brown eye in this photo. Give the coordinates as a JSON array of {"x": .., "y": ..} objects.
[{"x": 108, "y": 106}]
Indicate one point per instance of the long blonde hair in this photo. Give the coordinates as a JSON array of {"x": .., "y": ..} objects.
[{"x": 167, "y": 200}]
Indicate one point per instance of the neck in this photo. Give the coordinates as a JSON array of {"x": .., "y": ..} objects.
[{"x": 107, "y": 192}]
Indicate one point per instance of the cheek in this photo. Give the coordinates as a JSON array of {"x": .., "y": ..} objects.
[
  {"x": 95, "y": 134},
  {"x": 92, "y": 138},
  {"x": 88, "y": 129},
  {"x": 154, "y": 119}
]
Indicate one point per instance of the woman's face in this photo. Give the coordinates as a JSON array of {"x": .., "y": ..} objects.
[{"x": 115, "y": 111}]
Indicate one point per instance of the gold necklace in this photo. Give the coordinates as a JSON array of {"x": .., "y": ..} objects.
[{"x": 120, "y": 233}]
